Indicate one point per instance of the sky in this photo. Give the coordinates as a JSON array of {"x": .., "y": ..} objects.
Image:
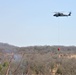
[{"x": 31, "y": 22}]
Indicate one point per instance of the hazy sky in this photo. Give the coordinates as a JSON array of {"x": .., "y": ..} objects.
[{"x": 31, "y": 22}]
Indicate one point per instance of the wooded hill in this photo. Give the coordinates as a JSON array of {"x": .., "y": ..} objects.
[
  {"x": 37, "y": 60},
  {"x": 4, "y": 47}
]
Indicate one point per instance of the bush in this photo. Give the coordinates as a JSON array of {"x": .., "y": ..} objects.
[{"x": 60, "y": 70}]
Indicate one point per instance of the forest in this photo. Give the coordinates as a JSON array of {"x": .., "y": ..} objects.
[{"x": 37, "y": 60}]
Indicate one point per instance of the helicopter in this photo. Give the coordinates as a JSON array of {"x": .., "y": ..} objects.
[{"x": 59, "y": 14}]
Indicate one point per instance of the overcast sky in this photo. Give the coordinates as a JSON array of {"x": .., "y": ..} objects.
[{"x": 31, "y": 22}]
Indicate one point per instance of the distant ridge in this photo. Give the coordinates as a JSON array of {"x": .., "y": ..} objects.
[{"x": 5, "y": 47}]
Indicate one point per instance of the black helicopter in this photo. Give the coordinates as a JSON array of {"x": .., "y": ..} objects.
[{"x": 59, "y": 14}]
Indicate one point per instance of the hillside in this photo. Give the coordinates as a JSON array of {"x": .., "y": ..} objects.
[
  {"x": 37, "y": 60},
  {"x": 7, "y": 48},
  {"x": 4, "y": 47}
]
